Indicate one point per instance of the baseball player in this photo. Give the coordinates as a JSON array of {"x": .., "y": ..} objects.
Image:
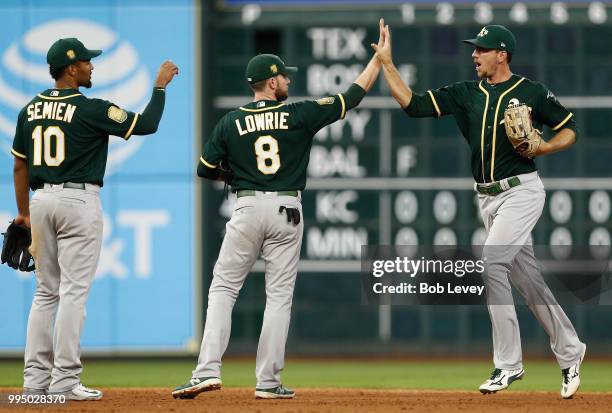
[
  {"x": 60, "y": 150},
  {"x": 489, "y": 113},
  {"x": 266, "y": 143}
]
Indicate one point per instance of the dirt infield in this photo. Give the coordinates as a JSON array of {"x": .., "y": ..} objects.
[{"x": 334, "y": 400}]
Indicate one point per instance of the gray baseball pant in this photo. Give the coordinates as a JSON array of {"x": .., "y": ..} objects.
[
  {"x": 256, "y": 226},
  {"x": 509, "y": 219},
  {"x": 66, "y": 240}
]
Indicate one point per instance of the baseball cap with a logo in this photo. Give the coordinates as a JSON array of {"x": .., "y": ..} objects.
[
  {"x": 67, "y": 51},
  {"x": 264, "y": 66},
  {"x": 494, "y": 36}
]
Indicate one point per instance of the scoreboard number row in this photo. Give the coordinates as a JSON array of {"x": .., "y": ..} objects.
[{"x": 485, "y": 13}]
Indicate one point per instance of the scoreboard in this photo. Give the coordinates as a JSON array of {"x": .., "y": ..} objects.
[{"x": 380, "y": 177}]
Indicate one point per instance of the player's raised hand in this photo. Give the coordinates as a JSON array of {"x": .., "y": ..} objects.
[
  {"x": 383, "y": 48},
  {"x": 381, "y": 36},
  {"x": 166, "y": 73}
]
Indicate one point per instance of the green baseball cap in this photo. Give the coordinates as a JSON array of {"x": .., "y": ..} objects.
[
  {"x": 265, "y": 66},
  {"x": 494, "y": 36},
  {"x": 65, "y": 52}
]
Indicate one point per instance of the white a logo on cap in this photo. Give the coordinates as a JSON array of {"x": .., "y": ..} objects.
[{"x": 483, "y": 32}]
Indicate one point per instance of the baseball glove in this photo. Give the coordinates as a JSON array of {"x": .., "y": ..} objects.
[
  {"x": 520, "y": 131},
  {"x": 17, "y": 240}
]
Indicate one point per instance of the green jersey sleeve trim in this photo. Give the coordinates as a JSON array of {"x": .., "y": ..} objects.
[
  {"x": 129, "y": 132},
  {"x": 59, "y": 97},
  {"x": 343, "y": 110},
  {"x": 563, "y": 122},
  {"x": 433, "y": 100},
  {"x": 19, "y": 155},
  {"x": 209, "y": 165},
  {"x": 262, "y": 109}
]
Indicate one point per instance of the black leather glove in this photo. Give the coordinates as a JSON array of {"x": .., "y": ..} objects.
[
  {"x": 293, "y": 214},
  {"x": 15, "y": 254}
]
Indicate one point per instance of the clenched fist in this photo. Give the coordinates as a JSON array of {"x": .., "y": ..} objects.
[{"x": 166, "y": 73}]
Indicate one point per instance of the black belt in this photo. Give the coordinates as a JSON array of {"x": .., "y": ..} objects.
[
  {"x": 72, "y": 185},
  {"x": 496, "y": 188}
]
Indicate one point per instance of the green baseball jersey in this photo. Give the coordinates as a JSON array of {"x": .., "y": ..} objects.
[
  {"x": 478, "y": 109},
  {"x": 267, "y": 144},
  {"x": 63, "y": 136}
]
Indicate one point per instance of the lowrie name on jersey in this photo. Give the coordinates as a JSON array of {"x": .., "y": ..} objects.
[{"x": 262, "y": 121}]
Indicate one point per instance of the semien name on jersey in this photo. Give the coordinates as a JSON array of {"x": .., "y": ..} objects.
[
  {"x": 51, "y": 110},
  {"x": 262, "y": 121}
]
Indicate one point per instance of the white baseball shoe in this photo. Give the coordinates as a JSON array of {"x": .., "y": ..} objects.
[
  {"x": 500, "y": 380},
  {"x": 83, "y": 393},
  {"x": 571, "y": 379}
]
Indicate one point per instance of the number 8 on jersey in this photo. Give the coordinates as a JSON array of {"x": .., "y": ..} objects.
[{"x": 270, "y": 154}]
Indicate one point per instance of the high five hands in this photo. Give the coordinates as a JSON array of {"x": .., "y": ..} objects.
[{"x": 383, "y": 48}]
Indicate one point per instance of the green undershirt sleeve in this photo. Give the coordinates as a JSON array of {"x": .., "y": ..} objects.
[
  {"x": 353, "y": 96},
  {"x": 149, "y": 119}
]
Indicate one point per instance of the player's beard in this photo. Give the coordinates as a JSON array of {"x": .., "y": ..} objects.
[
  {"x": 281, "y": 95},
  {"x": 85, "y": 81}
]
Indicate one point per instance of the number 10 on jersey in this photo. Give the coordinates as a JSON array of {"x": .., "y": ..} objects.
[
  {"x": 52, "y": 134},
  {"x": 268, "y": 159}
]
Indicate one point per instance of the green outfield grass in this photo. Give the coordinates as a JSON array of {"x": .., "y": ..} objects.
[{"x": 401, "y": 374}]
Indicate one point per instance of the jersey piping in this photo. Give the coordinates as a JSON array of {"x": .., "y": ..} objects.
[
  {"x": 433, "y": 100},
  {"x": 499, "y": 100},
  {"x": 129, "y": 132},
  {"x": 482, "y": 132},
  {"x": 343, "y": 112},
  {"x": 59, "y": 97},
  {"x": 563, "y": 122},
  {"x": 17, "y": 154},
  {"x": 261, "y": 109},
  {"x": 206, "y": 163}
]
